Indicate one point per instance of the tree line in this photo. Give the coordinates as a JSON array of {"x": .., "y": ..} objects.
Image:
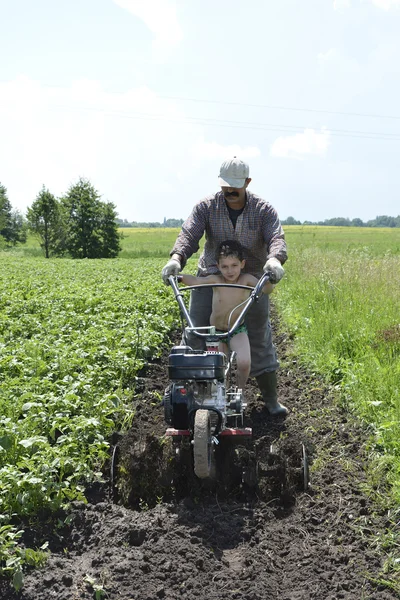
[
  {"x": 380, "y": 221},
  {"x": 78, "y": 224}
]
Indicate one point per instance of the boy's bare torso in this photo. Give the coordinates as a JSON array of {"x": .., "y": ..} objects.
[{"x": 225, "y": 300}]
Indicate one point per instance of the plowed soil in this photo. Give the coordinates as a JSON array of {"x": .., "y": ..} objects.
[{"x": 161, "y": 533}]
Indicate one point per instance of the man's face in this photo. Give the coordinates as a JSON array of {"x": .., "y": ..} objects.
[{"x": 235, "y": 196}]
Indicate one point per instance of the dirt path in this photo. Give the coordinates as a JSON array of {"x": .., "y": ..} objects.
[{"x": 227, "y": 542}]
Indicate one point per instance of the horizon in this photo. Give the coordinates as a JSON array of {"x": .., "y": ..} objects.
[{"x": 305, "y": 222}]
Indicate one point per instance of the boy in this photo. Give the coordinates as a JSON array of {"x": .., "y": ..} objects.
[{"x": 227, "y": 302}]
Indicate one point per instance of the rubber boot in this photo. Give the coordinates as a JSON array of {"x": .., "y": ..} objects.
[{"x": 267, "y": 384}]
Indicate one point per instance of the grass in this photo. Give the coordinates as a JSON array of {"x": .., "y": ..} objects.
[
  {"x": 369, "y": 242},
  {"x": 341, "y": 300},
  {"x": 136, "y": 243},
  {"x": 343, "y": 305},
  {"x": 147, "y": 243}
]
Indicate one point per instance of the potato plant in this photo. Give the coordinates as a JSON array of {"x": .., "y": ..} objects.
[{"x": 73, "y": 336}]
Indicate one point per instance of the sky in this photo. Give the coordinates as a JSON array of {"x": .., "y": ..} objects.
[{"x": 146, "y": 99}]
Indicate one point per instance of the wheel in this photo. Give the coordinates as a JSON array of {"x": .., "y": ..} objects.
[
  {"x": 202, "y": 444},
  {"x": 168, "y": 406}
]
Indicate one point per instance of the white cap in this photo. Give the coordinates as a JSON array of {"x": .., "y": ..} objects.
[{"x": 233, "y": 173}]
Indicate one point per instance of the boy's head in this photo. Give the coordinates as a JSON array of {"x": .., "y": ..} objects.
[
  {"x": 230, "y": 248},
  {"x": 230, "y": 260}
]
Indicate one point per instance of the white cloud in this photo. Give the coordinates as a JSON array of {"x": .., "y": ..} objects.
[
  {"x": 214, "y": 151},
  {"x": 386, "y": 4},
  {"x": 341, "y": 4},
  {"x": 300, "y": 145},
  {"x": 122, "y": 142},
  {"x": 330, "y": 56},
  {"x": 159, "y": 16},
  {"x": 139, "y": 150},
  {"x": 334, "y": 59}
]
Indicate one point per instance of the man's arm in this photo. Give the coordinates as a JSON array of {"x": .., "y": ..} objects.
[
  {"x": 187, "y": 242},
  {"x": 274, "y": 235}
]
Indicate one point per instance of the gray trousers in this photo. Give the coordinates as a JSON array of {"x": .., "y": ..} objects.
[{"x": 263, "y": 352}]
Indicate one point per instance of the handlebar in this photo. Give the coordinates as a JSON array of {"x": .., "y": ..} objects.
[{"x": 254, "y": 297}]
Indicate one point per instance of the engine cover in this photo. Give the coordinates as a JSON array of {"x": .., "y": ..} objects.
[{"x": 184, "y": 365}]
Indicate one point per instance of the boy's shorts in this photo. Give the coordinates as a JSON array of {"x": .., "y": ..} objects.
[{"x": 242, "y": 328}]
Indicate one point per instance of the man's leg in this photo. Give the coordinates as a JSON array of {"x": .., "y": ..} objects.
[
  {"x": 264, "y": 362},
  {"x": 199, "y": 310},
  {"x": 263, "y": 352}
]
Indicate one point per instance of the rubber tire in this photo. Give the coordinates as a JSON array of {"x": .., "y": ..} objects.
[
  {"x": 202, "y": 444},
  {"x": 168, "y": 414}
]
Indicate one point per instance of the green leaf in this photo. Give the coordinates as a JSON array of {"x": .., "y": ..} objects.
[
  {"x": 28, "y": 405},
  {"x": 29, "y": 442},
  {"x": 6, "y": 442},
  {"x": 18, "y": 580}
]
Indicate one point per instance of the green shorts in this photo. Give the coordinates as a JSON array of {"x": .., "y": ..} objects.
[{"x": 242, "y": 328}]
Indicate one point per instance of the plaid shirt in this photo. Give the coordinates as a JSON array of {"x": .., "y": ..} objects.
[{"x": 258, "y": 230}]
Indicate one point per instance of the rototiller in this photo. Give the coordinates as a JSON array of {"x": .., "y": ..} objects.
[{"x": 202, "y": 402}]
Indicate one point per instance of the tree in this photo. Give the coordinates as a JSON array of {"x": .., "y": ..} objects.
[
  {"x": 337, "y": 222},
  {"x": 44, "y": 220},
  {"x": 12, "y": 224},
  {"x": 384, "y": 221},
  {"x": 291, "y": 221},
  {"x": 5, "y": 215},
  {"x": 90, "y": 225},
  {"x": 110, "y": 237},
  {"x": 18, "y": 226},
  {"x": 173, "y": 222}
]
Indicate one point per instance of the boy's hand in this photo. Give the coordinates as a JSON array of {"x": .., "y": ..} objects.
[
  {"x": 172, "y": 267},
  {"x": 275, "y": 270}
]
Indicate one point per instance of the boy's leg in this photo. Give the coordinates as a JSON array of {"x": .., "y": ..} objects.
[
  {"x": 240, "y": 344},
  {"x": 222, "y": 347}
]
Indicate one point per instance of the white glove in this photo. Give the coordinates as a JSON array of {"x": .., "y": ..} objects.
[
  {"x": 275, "y": 269},
  {"x": 172, "y": 267}
]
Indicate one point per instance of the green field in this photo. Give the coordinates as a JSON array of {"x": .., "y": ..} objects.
[
  {"x": 341, "y": 300},
  {"x": 74, "y": 334},
  {"x": 144, "y": 243},
  {"x": 369, "y": 241}
]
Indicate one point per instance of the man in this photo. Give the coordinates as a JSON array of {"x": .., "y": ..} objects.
[{"x": 238, "y": 214}]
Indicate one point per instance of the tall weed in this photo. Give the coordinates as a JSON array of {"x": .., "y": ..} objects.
[{"x": 344, "y": 308}]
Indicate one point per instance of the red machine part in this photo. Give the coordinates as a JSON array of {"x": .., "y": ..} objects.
[{"x": 244, "y": 432}]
